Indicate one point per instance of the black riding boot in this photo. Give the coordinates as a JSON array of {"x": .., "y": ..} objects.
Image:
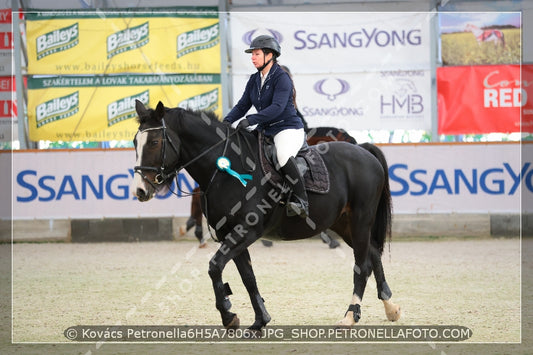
[{"x": 298, "y": 206}]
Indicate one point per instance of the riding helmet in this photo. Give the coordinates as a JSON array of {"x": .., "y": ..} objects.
[{"x": 264, "y": 41}]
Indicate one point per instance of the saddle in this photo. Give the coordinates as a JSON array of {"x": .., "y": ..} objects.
[{"x": 308, "y": 159}]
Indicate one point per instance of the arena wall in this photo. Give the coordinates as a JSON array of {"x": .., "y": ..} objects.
[{"x": 459, "y": 190}]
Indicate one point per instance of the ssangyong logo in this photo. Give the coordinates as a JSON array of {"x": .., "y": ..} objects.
[
  {"x": 331, "y": 88},
  {"x": 57, "y": 41},
  {"x": 198, "y": 39},
  {"x": 250, "y": 35},
  {"x": 127, "y": 39},
  {"x": 124, "y": 109},
  {"x": 206, "y": 101},
  {"x": 57, "y": 109}
]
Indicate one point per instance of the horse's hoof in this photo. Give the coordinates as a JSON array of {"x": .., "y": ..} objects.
[
  {"x": 394, "y": 314},
  {"x": 182, "y": 231},
  {"x": 202, "y": 245},
  {"x": 347, "y": 321},
  {"x": 234, "y": 324}
]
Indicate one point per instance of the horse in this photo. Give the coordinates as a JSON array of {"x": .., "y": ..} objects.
[
  {"x": 484, "y": 36},
  {"x": 245, "y": 207},
  {"x": 314, "y": 136}
]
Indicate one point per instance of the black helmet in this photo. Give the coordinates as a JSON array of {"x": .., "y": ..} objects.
[{"x": 264, "y": 41}]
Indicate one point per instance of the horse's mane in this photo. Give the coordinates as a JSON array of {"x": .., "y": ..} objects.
[{"x": 209, "y": 114}]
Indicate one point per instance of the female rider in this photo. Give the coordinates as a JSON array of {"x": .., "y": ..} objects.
[{"x": 270, "y": 91}]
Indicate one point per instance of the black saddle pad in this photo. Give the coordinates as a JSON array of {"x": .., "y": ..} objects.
[{"x": 310, "y": 163}]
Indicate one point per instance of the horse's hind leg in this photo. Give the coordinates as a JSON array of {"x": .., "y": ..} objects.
[
  {"x": 392, "y": 310},
  {"x": 244, "y": 265},
  {"x": 362, "y": 270}
]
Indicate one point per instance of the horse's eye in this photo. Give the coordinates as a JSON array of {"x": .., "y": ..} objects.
[{"x": 154, "y": 142}]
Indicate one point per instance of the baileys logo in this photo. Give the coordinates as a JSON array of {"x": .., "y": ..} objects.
[
  {"x": 124, "y": 108},
  {"x": 127, "y": 39},
  {"x": 57, "y": 109},
  {"x": 206, "y": 101},
  {"x": 57, "y": 41},
  {"x": 195, "y": 40}
]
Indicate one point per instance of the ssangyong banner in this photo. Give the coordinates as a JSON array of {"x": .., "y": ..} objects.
[
  {"x": 167, "y": 40},
  {"x": 462, "y": 178},
  {"x": 87, "y": 184},
  {"x": 313, "y": 42},
  {"x": 395, "y": 99},
  {"x": 485, "y": 99},
  {"x": 424, "y": 178},
  {"x": 102, "y": 108}
]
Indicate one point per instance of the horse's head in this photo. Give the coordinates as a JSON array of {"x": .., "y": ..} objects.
[{"x": 156, "y": 149}]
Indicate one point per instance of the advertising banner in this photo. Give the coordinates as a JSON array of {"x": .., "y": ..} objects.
[
  {"x": 6, "y": 42},
  {"x": 354, "y": 71},
  {"x": 8, "y": 109},
  {"x": 460, "y": 178},
  {"x": 102, "y": 108},
  {"x": 313, "y": 42},
  {"x": 485, "y": 99},
  {"x": 172, "y": 40},
  {"x": 470, "y": 38},
  {"x": 424, "y": 178},
  {"x": 398, "y": 99},
  {"x": 86, "y": 184}
]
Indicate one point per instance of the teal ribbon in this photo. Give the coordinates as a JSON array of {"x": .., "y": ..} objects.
[{"x": 224, "y": 164}]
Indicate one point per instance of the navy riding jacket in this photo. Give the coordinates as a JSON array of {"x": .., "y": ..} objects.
[{"x": 273, "y": 102}]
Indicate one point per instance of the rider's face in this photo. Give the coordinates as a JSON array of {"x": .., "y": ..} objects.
[{"x": 259, "y": 58}]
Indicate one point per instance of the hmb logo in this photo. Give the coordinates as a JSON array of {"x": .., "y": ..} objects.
[
  {"x": 404, "y": 99},
  {"x": 331, "y": 88}
]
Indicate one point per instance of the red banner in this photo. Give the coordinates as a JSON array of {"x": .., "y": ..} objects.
[{"x": 485, "y": 99}]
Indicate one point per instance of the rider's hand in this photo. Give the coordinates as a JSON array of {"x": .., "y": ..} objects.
[{"x": 243, "y": 124}]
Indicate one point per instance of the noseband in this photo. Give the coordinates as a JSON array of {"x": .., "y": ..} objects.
[{"x": 161, "y": 175}]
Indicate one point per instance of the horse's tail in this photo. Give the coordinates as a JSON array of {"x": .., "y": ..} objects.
[{"x": 383, "y": 221}]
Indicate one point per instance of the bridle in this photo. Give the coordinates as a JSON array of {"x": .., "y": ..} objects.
[{"x": 161, "y": 172}]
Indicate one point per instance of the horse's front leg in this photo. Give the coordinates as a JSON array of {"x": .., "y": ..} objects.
[
  {"x": 244, "y": 265},
  {"x": 231, "y": 247},
  {"x": 222, "y": 291}
]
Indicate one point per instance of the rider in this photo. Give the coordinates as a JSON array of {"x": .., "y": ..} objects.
[{"x": 270, "y": 91}]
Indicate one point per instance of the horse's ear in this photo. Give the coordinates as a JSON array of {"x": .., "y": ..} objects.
[
  {"x": 139, "y": 107},
  {"x": 160, "y": 110}
]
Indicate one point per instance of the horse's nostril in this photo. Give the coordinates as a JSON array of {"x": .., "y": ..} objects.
[{"x": 140, "y": 193}]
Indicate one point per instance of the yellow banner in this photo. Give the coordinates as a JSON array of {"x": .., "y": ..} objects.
[
  {"x": 102, "y": 108},
  {"x": 73, "y": 43}
]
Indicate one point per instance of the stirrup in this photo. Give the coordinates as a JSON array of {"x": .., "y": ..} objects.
[{"x": 297, "y": 209}]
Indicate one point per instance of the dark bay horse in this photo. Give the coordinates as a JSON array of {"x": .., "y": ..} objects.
[{"x": 357, "y": 205}]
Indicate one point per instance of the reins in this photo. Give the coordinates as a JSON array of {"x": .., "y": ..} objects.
[{"x": 162, "y": 176}]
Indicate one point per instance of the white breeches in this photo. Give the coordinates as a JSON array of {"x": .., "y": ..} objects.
[{"x": 288, "y": 142}]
